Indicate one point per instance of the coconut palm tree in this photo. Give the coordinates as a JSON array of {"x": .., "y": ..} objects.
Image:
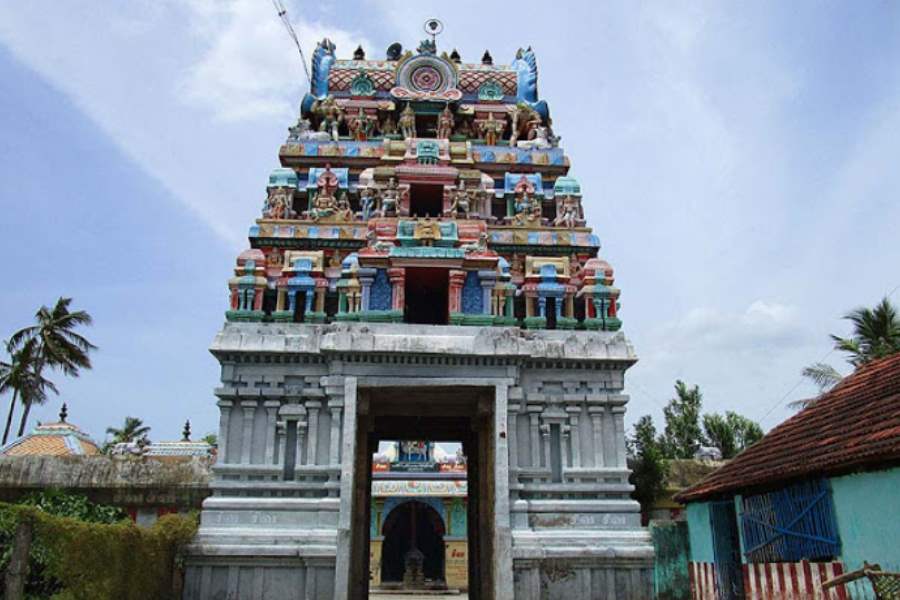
[
  {"x": 27, "y": 385},
  {"x": 57, "y": 345},
  {"x": 876, "y": 333},
  {"x": 131, "y": 431}
]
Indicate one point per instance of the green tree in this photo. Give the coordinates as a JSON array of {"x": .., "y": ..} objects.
[
  {"x": 682, "y": 435},
  {"x": 20, "y": 376},
  {"x": 876, "y": 333},
  {"x": 649, "y": 468},
  {"x": 731, "y": 433},
  {"x": 212, "y": 439},
  {"x": 132, "y": 430},
  {"x": 57, "y": 344}
]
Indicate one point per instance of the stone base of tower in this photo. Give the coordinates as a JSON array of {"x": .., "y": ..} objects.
[{"x": 539, "y": 414}]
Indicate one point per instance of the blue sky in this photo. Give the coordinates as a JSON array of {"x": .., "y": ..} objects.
[{"x": 739, "y": 162}]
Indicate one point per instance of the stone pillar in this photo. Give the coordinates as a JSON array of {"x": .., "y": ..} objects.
[
  {"x": 503, "y": 564},
  {"x": 249, "y": 407},
  {"x": 397, "y": 276},
  {"x": 534, "y": 418},
  {"x": 618, "y": 413},
  {"x": 335, "y": 449},
  {"x": 457, "y": 279},
  {"x": 348, "y": 477},
  {"x": 545, "y": 435},
  {"x": 596, "y": 413},
  {"x": 312, "y": 408},
  {"x": 279, "y": 300},
  {"x": 574, "y": 436},
  {"x": 224, "y": 422},
  {"x": 366, "y": 277},
  {"x": 488, "y": 280},
  {"x": 272, "y": 407},
  {"x": 512, "y": 427}
]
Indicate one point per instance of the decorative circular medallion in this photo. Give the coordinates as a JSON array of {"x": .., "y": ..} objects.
[
  {"x": 426, "y": 79},
  {"x": 426, "y": 75}
]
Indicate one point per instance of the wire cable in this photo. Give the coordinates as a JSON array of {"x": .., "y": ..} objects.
[{"x": 285, "y": 19}]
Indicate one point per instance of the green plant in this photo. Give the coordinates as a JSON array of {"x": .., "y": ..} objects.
[
  {"x": 682, "y": 435},
  {"x": 649, "y": 468},
  {"x": 876, "y": 333},
  {"x": 56, "y": 344},
  {"x": 80, "y": 560},
  {"x": 730, "y": 434}
]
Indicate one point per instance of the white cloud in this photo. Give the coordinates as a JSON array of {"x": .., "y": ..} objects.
[{"x": 250, "y": 67}]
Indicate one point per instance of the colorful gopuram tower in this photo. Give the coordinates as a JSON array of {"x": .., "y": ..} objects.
[{"x": 421, "y": 270}]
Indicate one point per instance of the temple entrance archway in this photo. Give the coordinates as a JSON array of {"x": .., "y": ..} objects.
[
  {"x": 426, "y": 293},
  {"x": 434, "y": 411},
  {"x": 410, "y": 527}
]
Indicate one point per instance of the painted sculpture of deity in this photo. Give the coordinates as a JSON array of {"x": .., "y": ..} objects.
[
  {"x": 569, "y": 216},
  {"x": 526, "y": 205},
  {"x": 331, "y": 115},
  {"x": 492, "y": 129},
  {"x": 477, "y": 247},
  {"x": 445, "y": 123},
  {"x": 388, "y": 126},
  {"x": 361, "y": 126},
  {"x": 278, "y": 205},
  {"x": 325, "y": 204},
  {"x": 461, "y": 204},
  {"x": 367, "y": 204},
  {"x": 390, "y": 198},
  {"x": 302, "y": 132},
  {"x": 525, "y": 122},
  {"x": 408, "y": 122}
]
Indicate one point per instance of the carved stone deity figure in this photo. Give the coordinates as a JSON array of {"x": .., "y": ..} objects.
[
  {"x": 361, "y": 126},
  {"x": 278, "y": 205},
  {"x": 477, "y": 247},
  {"x": 375, "y": 244},
  {"x": 541, "y": 139},
  {"x": 569, "y": 215},
  {"x": 492, "y": 129},
  {"x": 461, "y": 202},
  {"x": 367, "y": 204},
  {"x": 427, "y": 231},
  {"x": 527, "y": 206},
  {"x": 390, "y": 197},
  {"x": 408, "y": 122},
  {"x": 325, "y": 204},
  {"x": 388, "y": 126},
  {"x": 331, "y": 115},
  {"x": 445, "y": 123},
  {"x": 344, "y": 211},
  {"x": 302, "y": 131},
  {"x": 525, "y": 122}
]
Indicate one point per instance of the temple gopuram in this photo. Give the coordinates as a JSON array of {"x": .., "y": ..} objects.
[{"x": 421, "y": 269}]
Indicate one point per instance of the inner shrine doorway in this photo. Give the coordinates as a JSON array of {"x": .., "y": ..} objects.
[{"x": 412, "y": 527}]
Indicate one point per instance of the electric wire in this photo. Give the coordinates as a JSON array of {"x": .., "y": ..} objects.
[{"x": 285, "y": 19}]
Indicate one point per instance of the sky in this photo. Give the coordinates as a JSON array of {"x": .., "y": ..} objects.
[{"x": 739, "y": 162}]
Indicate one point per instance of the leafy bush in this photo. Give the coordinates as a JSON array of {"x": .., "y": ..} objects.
[{"x": 113, "y": 559}]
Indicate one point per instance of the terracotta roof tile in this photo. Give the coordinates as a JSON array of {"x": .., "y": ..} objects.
[{"x": 854, "y": 426}]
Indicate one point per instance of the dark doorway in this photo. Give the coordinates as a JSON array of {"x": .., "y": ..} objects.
[
  {"x": 427, "y": 291},
  {"x": 726, "y": 549},
  {"x": 409, "y": 527},
  {"x": 551, "y": 312},
  {"x": 426, "y": 126},
  {"x": 299, "y": 307},
  {"x": 426, "y": 200}
]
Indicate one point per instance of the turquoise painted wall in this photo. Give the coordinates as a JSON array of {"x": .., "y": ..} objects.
[
  {"x": 699, "y": 532},
  {"x": 867, "y": 509}
]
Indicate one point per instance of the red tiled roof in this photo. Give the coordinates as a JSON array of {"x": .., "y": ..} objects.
[{"x": 854, "y": 426}]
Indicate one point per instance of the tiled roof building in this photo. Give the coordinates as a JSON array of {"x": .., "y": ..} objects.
[
  {"x": 855, "y": 426},
  {"x": 53, "y": 439}
]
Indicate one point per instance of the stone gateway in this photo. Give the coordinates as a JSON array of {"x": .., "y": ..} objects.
[{"x": 432, "y": 281}]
